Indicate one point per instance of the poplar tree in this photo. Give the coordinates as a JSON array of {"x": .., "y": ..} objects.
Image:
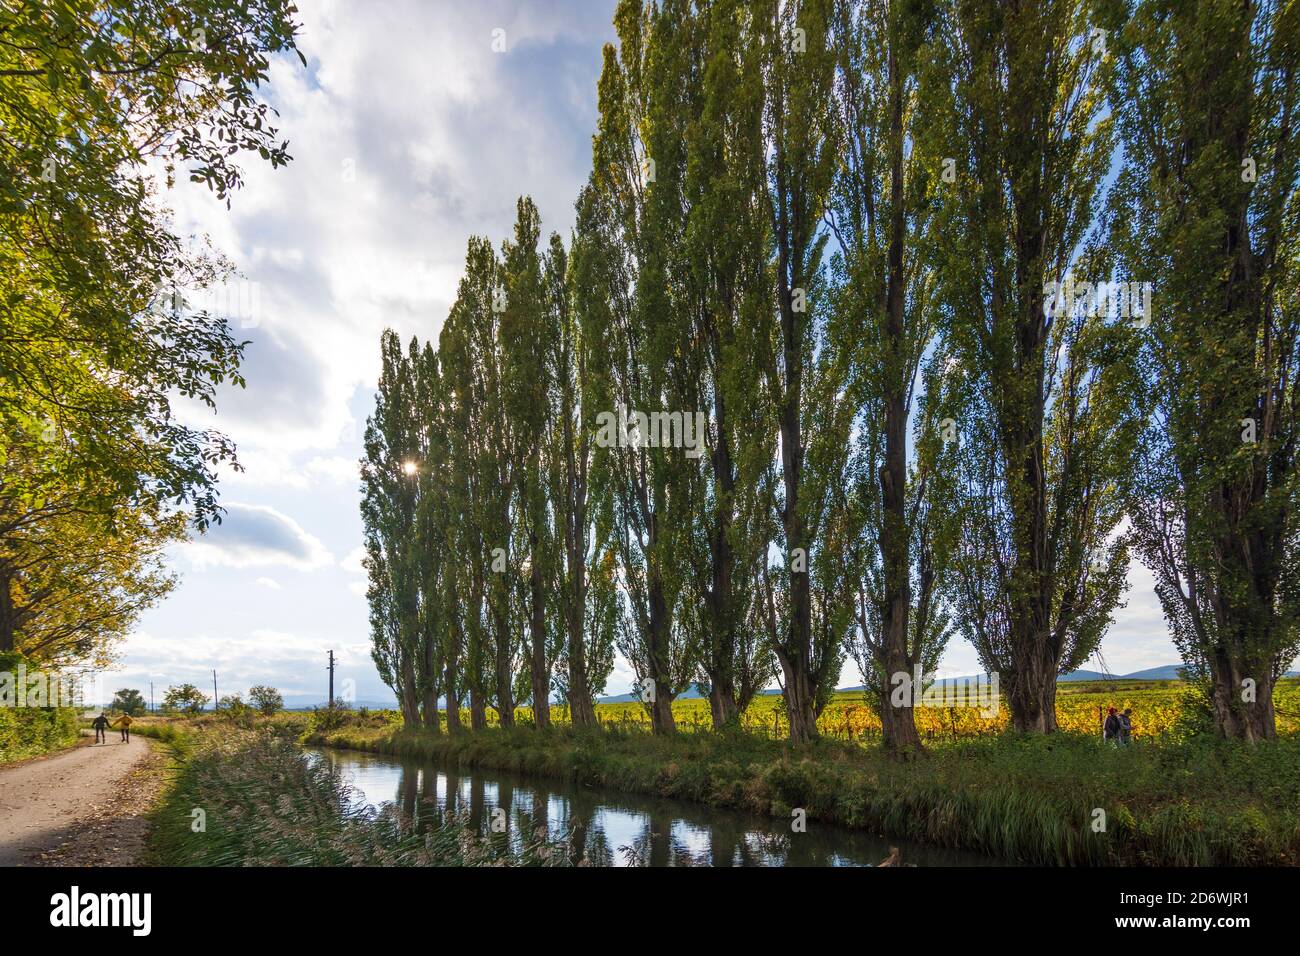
[
  {"x": 643, "y": 85},
  {"x": 1044, "y": 421},
  {"x": 806, "y": 599},
  {"x": 881, "y": 215},
  {"x": 1206, "y": 98},
  {"x": 465, "y": 533},
  {"x": 389, "y": 513},
  {"x": 526, "y": 333},
  {"x": 721, "y": 271},
  {"x": 586, "y": 595}
]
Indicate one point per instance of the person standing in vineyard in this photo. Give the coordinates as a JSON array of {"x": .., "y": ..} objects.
[
  {"x": 1126, "y": 726},
  {"x": 1111, "y": 729}
]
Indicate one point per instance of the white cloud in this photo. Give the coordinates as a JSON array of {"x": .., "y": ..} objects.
[
  {"x": 352, "y": 562},
  {"x": 271, "y": 583},
  {"x": 335, "y": 468},
  {"x": 252, "y": 536}
]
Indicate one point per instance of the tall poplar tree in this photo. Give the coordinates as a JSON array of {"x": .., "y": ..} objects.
[
  {"x": 881, "y": 215},
  {"x": 803, "y": 374},
  {"x": 1206, "y": 97},
  {"x": 1016, "y": 107}
]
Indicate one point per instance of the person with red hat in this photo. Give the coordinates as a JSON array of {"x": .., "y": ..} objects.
[{"x": 1110, "y": 731}]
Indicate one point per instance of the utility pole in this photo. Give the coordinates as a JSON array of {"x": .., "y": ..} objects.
[
  {"x": 215, "y": 698},
  {"x": 331, "y": 670},
  {"x": 152, "y": 710}
]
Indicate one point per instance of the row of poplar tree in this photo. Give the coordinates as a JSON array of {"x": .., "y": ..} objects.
[{"x": 836, "y": 228}]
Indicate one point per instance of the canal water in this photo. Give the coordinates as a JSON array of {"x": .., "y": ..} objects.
[{"x": 612, "y": 828}]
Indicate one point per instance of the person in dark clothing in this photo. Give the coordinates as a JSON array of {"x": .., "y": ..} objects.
[
  {"x": 100, "y": 724},
  {"x": 1126, "y": 726},
  {"x": 1110, "y": 730}
]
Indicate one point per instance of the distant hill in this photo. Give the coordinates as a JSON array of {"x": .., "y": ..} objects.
[{"x": 1168, "y": 672}]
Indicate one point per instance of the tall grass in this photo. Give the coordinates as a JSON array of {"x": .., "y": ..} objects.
[{"x": 250, "y": 797}]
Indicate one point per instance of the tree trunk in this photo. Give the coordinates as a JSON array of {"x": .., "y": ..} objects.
[
  {"x": 1235, "y": 718},
  {"x": 661, "y": 708},
  {"x": 1032, "y": 694},
  {"x": 723, "y": 707},
  {"x": 431, "y": 669},
  {"x": 800, "y": 697},
  {"x": 795, "y": 654},
  {"x": 582, "y": 710},
  {"x": 452, "y": 693},
  {"x": 898, "y": 724},
  {"x": 720, "y": 662},
  {"x": 504, "y": 676},
  {"x": 477, "y": 709},
  {"x": 541, "y": 673},
  {"x": 410, "y": 701},
  {"x": 429, "y": 712},
  {"x": 8, "y": 629}
]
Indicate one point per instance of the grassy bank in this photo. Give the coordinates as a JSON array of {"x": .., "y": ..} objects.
[
  {"x": 30, "y": 731},
  {"x": 1033, "y": 800},
  {"x": 248, "y": 796}
]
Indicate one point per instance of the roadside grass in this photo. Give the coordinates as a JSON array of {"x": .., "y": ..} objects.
[
  {"x": 249, "y": 796},
  {"x": 1028, "y": 799}
]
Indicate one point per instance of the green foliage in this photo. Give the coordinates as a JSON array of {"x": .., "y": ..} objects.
[
  {"x": 129, "y": 701},
  {"x": 29, "y": 731},
  {"x": 266, "y": 699},
  {"x": 185, "y": 698},
  {"x": 863, "y": 241},
  {"x": 1038, "y": 388},
  {"x": 97, "y": 342},
  {"x": 1204, "y": 210}
]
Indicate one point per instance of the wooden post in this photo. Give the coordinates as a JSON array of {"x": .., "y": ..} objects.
[{"x": 330, "y": 702}]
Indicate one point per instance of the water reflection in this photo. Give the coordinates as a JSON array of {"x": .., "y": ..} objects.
[{"x": 611, "y": 828}]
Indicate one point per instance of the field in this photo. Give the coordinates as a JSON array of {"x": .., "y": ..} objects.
[{"x": 1158, "y": 711}]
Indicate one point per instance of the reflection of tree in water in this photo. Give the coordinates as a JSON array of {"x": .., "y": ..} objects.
[
  {"x": 656, "y": 846},
  {"x": 724, "y": 843},
  {"x": 452, "y": 801},
  {"x": 587, "y": 842},
  {"x": 476, "y": 803},
  {"x": 505, "y": 803}
]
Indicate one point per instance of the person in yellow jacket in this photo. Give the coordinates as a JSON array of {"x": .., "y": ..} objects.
[{"x": 123, "y": 724}]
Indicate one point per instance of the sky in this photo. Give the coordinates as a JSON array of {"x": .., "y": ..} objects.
[{"x": 409, "y": 133}]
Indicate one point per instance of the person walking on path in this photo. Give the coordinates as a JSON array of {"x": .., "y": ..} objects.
[
  {"x": 1110, "y": 730},
  {"x": 124, "y": 724},
  {"x": 100, "y": 724},
  {"x": 1126, "y": 726}
]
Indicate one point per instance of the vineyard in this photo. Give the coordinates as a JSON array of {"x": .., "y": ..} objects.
[{"x": 1157, "y": 708}]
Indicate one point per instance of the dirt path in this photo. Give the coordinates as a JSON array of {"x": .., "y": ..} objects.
[{"x": 82, "y": 807}]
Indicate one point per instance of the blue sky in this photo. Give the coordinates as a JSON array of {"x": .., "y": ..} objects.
[{"x": 409, "y": 134}]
